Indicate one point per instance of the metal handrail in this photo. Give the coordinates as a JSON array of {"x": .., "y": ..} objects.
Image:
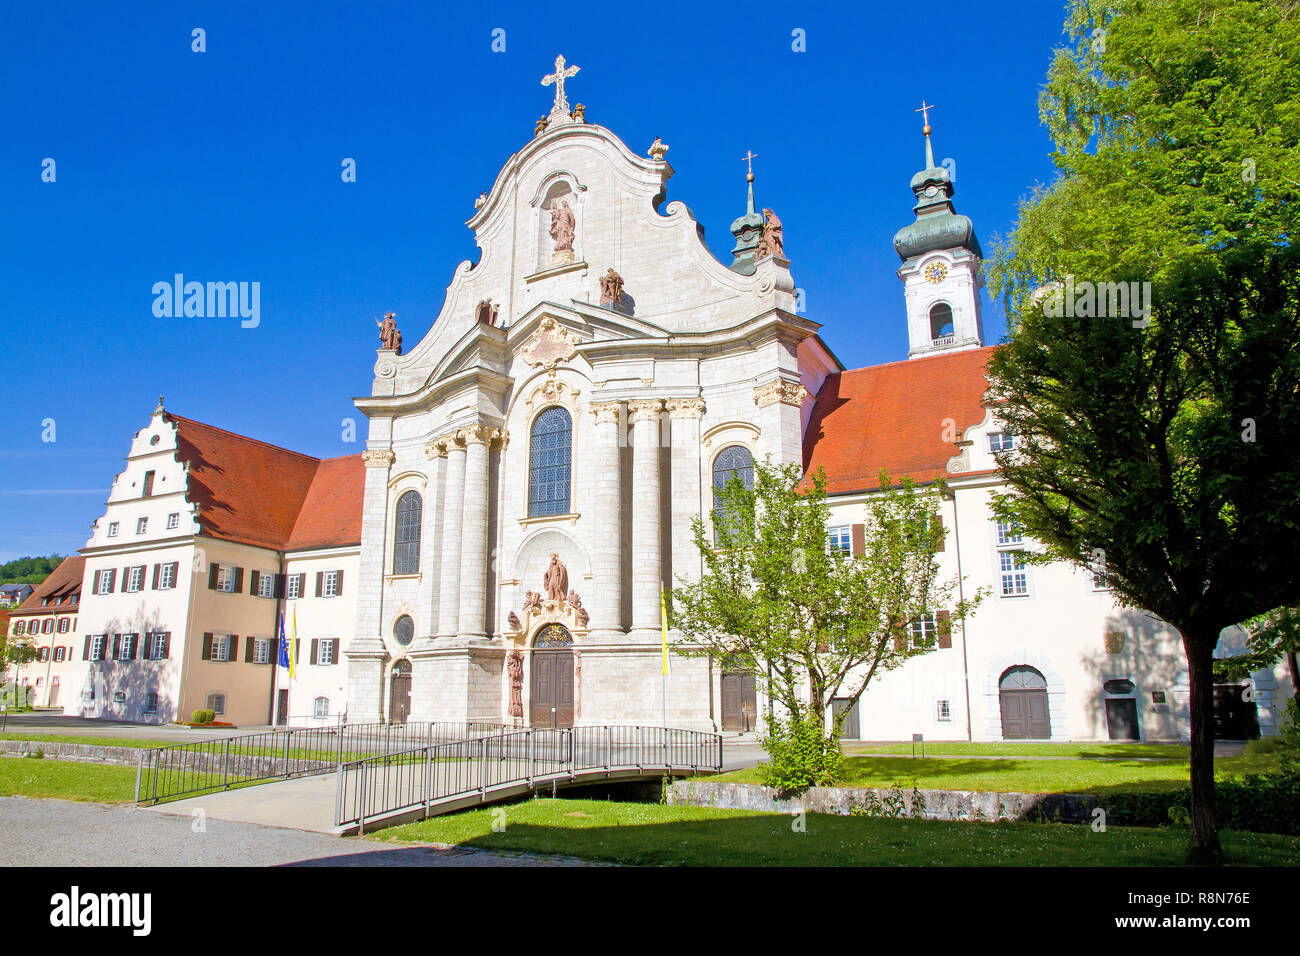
[
  {"x": 164, "y": 773},
  {"x": 375, "y": 786}
]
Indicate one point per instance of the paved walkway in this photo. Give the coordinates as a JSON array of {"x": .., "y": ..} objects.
[
  {"x": 55, "y": 833},
  {"x": 53, "y": 723}
]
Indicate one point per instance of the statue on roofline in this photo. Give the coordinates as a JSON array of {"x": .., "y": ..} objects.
[{"x": 389, "y": 337}]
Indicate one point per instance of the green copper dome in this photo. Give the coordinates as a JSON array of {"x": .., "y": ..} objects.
[{"x": 938, "y": 225}]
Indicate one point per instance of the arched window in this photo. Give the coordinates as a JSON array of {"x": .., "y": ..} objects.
[
  {"x": 733, "y": 461},
  {"x": 551, "y": 451},
  {"x": 406, "y": 540},
  {"x": 941, "y": 321},
  {"x": 321, "y": 707}
]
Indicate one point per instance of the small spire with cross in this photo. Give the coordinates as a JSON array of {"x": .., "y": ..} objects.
[
  {"x": 749, "y": 158},
  {"x": 557, "y": 78},
  {"x": 925, "y": 118}
]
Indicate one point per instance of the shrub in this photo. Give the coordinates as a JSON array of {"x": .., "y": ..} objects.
[
  {"x": 800, "y": 755},
  {"x": 203, "y": 717},
  {"x": 1261, "y": 804},
  {"x": 1288, "y": 740}
]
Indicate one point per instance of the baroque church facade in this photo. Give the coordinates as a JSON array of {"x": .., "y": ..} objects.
[{"x": 532, "y": 470}]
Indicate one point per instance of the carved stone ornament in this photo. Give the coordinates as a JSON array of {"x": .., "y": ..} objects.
[
  {"x": 481, "y": 435},
  {"x": 1115, "y": 642},
  {"x": 611, "y": 288},
  {"x": 382, "y": 458},
  {"x": 513, "y": 620},
  {"x": 644, "y": 409},
  {"x": 606, "y": 413},
  {"x": 550, "y": 345},
  {"x": 787, "y": 393},
  {"x": 553, "y": 390},
  {"x": 532, "y": 601},
  {"x": 771, "y": 242},
  {"x": 390, "y": 339},
  {"x": 658, "y": 149},
  {"x": 436, "y": 449},
  {"x": 515, "y": 669},
  {"x": 685, "y": 407},
  {"x": 556, "y": 579}
]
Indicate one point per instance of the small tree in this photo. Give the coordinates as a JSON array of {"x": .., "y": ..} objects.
[{"x": 813, "y": 622}]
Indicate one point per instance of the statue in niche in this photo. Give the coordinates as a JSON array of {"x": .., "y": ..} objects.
[
  {"x": 389, "y": 337},
  {"x": 562, "y": 226},
  {"x": 556, "y": 580},
  {"x": 611, "y": 288},
  {"x": 515, "y": 668},
  {"x": 513, "y": 620},
  {"x": 532, "y": 601},
  {"x": 771, "y": 242}
]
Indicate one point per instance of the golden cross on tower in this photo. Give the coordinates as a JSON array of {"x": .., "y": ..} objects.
[
  {"x": 558, "y": 77},
  {"x": 925, "y": 115},
  {"x": 749, "y": 157}
]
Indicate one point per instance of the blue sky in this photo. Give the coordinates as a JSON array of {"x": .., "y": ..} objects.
[{"x": 225, "y": 166}]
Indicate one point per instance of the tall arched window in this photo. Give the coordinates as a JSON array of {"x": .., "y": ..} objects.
[
  {"x": 551, "y": 457},
  {"x": 940, "y": 320},
  {"x": 406, "y": 537},
  {"x": 735, "y": 460}
]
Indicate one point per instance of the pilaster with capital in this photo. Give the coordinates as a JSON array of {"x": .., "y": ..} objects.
[
  {"x": 647, "y": 557},
  {"x": 686, "y": 504},
  {"x": 474, "y": 529},
  {"x": 431, "y": 555},
  {"x": 366, "y": 651},
  {"x": 780, "y": 420},
  {"x": 607, "y": 544},
  {"x": 453, "y": 516}
]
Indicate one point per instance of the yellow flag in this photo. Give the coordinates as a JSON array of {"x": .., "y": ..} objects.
[{"x": 663, "y": 617}]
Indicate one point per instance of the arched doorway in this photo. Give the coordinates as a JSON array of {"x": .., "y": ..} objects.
[
  {"x": 1022, "y": 692},
  {"x": 551, "y": 680},
  {"x": 399, "y": 692}
]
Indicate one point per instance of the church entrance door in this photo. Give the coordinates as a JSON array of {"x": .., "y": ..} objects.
[
  {"x": 551, "y": 683},
  {"x": 399, "y": 697},
  {"x": 739, "y": 701}
]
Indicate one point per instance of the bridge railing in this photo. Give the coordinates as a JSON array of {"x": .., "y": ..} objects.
[
  {"x": 164, "y": 773},
  {"x": 375, "y": 786}
]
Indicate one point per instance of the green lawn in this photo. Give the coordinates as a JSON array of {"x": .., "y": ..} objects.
[
  {"x": 1028, "y": 776},
  {"x": 959, "y": 749},
  {"x": 654, "y": 835},
  {"x": 93, "y": 741},
  {"x": 66, "y": 779}
]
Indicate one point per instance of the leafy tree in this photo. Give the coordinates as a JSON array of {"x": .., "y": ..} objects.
[
  {"x": 1269, "y": 638},
  {"x": 28, "y": 570},
  {"x": 1163, "y": 442},
  {"x": 813, "y": 622}
]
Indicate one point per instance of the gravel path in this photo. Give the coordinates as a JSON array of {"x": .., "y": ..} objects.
[{"x": 54, "y": 833}]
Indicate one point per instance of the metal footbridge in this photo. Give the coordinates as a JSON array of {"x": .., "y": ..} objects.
[{"x": 391, "y": 773}]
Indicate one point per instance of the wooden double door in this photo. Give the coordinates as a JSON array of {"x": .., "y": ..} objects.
[
  {"x": 739, "y": 701},
  {"x": 399, "y": 693},
  {"x": 551, "y": 691}
]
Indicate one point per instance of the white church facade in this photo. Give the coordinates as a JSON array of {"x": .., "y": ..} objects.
[{"x": 534, "y": 463}]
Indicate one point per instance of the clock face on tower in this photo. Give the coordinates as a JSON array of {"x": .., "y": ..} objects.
[{"x": 935, "y": 272}]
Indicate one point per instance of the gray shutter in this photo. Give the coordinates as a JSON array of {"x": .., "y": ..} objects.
[{"x": 207, "y": 645}]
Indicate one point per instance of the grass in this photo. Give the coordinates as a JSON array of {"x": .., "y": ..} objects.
[
  {"x": 1027, "y": 776},
  {"x": 66, "y": 780},
  {"x": 655, "y": 835},
  {"x": 1093, "y": 750},
  {"x": 93, "y": 741}
]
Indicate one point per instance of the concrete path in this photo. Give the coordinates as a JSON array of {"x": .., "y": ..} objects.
[
  {"x": 303, "y": 803},
  {"x": 62, "y": 833}
]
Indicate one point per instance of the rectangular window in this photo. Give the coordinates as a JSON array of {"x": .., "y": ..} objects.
[
  {"x": 119, "y": 697},
  {"x": 151, "y": 703},
  {"x": 330, "y": 586},
  {"x": 322, "y": 707},
  {"x": 1008, "y": 533},
  {"x": 173, "y": 520},
  {"x": 59, "y": 652},
  {"x": 293, "y": 587},
  {"x": 106, "y": 581},
  {"x": 135, "y": 579},
  {"x": 148, "y": 483},
  {"x": 328, "y": 651},
  {"x": 217, "y": 703},
  {"x": 112, "y": 529},
  {"x": 1014, "y": 573},
  {"x": 43, "y": 654},
  {"x": 158, "y": 645},
  {"x": 141, "y": 525},
  {"x": 20, "y": 627},
  {"x": 64, "y": 624},
  {"x": 840, "y": 539},
  {"x": 167, "y": 576},
  {"x": 943, "y": 710},
  {"x": 266, "y": 585},
  {"x": 127, "y": 651},
  {"x": 261, "y": 650},
  {"x": 226, "y": 579},
  {"x": 221, "y": 647},
  {"x": 1001, "y": 441},
  {"x": 97, "y": 643},
  {"x": 923, "y": 631},
  {"x": 48, "y": 626}
]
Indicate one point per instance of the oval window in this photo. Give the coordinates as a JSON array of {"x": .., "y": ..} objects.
[
  {"x": 1118, "y": 686},
  {"x": 404, "y": 630}
]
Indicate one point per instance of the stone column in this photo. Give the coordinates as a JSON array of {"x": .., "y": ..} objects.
[
  {"x": 431, "y": 548},
  {"x": 686, "y": 502},
  {"x": 474, "y": 531},
  {"x": 780, "y": 421},
  {"x": 366, "y": 652},
  {"x": 453, "y": 512},
  {"x": 606, "y": 605},
  {"x": 647, "y": 564}
]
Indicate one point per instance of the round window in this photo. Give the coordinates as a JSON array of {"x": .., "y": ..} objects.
[{"x": 404, "y": 630}]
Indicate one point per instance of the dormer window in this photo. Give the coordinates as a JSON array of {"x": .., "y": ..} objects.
[{"x": 941, "y": 328}]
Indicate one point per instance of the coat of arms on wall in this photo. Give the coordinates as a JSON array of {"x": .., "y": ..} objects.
[
  {"x": 550, "y": 345},
  {"x": 1115, "y": 642}
]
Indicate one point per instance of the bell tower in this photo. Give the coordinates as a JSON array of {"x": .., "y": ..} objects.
[{"x": 942, "y": 268}]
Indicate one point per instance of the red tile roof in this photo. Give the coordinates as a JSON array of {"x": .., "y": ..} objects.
[
  {"x": 255, "y": 493},
  {"x": 892, "y": 417},
  {"x": 63, "y": 583}
]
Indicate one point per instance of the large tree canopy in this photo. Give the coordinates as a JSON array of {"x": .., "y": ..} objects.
[{"x": 1164, "y": 442}]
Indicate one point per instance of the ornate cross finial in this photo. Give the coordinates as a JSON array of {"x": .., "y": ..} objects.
[
  {"x": 558, "y": 77},
  {"x": 925, "y": 115},
  {"x": 749, "y": 157}
]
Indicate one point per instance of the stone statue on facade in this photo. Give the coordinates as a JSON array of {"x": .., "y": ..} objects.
[
  {"x": 562, "y": 227},
  {"x": 611, "y": 288},
  {"x": 513, "y": 620},
  {"x": 389, "y": 337},
  {"x": 532, "y": 601},
  {"x": 540, "y": 128},
  {"x": 556, "y": 580},
  {"x": 515, "y": 668},
  {"x": 771, "y": 242}
]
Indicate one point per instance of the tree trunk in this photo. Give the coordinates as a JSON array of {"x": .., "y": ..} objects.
[{"x": 1205, "y": 849}]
